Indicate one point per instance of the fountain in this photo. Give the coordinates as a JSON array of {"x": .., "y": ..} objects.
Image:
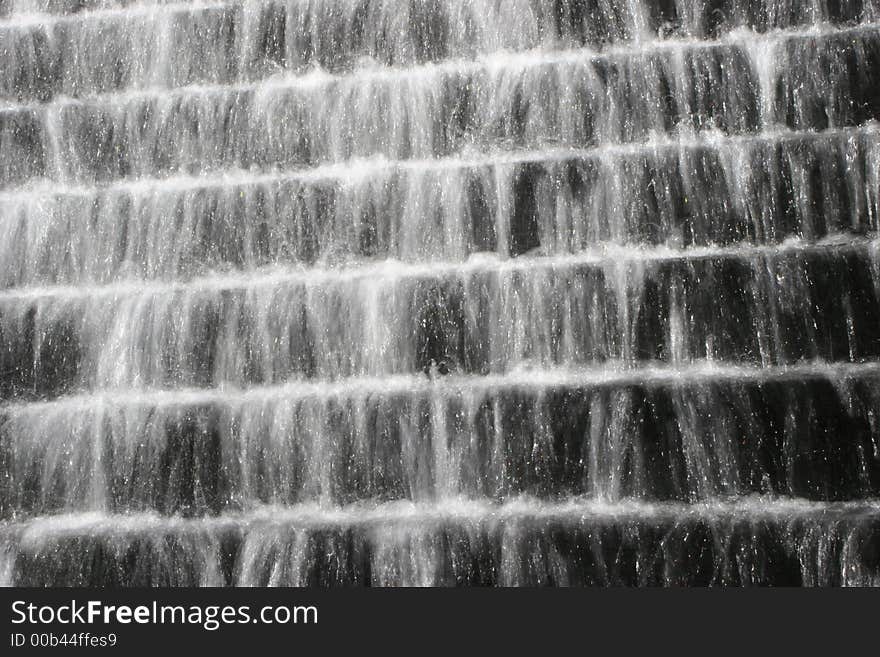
[{"x": 439, "y": 292}]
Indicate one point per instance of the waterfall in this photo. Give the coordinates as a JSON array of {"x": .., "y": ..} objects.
[{"x": 439, "y": 292}]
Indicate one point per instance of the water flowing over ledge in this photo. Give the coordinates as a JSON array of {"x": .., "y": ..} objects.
[
  {"x": 495, "y": 64},
  {"x": 692, "y": 374},
  {"x": 228, "y": 42},
  {"x": 33, "y": 533},
  {"x": 520, "y": 543},
  {"x": 391, "y": 271}
]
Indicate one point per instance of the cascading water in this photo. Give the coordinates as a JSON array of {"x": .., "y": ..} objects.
[{"x": 317, "y": 292}]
